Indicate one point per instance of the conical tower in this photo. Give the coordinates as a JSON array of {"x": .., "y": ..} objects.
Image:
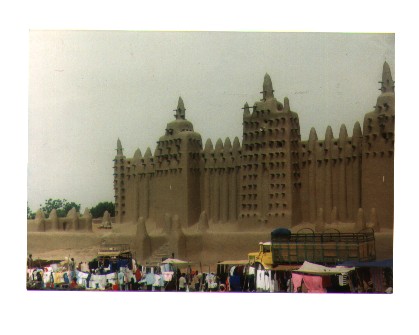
[
  {"x": 270, "y": 177},
  {"x": 119, "y": 179},
  {"x": 378, "y": 154},
  {"x": 176, "y": 188}
]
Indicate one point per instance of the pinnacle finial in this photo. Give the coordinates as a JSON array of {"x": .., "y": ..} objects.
[
  {"x": 118, "y": 147},
  {"x": 286, "y": 104},
  {"x": 268, "y": 91},
  {"x": 246, "y": 110},
  {"x": 180, "y": 110},
  {"x": 387, "y": 83}
]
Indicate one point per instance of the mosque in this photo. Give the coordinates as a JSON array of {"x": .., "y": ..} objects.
[
  {"x": 202, "y": 201},
  {"x": 271, "y": 178}
]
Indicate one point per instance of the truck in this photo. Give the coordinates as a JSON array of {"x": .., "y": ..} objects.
[{"x": 330, "y": 247}]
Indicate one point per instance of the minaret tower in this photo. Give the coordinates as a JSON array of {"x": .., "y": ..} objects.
[
  {"x": 177, "y": 171},
  {"x": 378, "y": 154},
  {"x": 270, "y": 175},
  {"x": 119, "y": 183}
]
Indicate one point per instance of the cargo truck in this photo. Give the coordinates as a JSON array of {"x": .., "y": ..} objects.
[{"x": 328, "y": 248}]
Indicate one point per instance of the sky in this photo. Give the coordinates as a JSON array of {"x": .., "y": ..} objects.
[{"x": 89, "y": 88}]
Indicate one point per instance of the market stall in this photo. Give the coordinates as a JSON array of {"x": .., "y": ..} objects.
[{"x": 315, "y": 278}]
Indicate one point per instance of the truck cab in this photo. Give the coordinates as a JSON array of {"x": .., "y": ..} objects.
[{"x": 263, "y": 258}]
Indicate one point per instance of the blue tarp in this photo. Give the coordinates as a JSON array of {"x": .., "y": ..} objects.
[{"x": 387, "y": 263}]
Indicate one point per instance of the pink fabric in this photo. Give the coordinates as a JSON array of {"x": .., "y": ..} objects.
[
  {"x": 314, "y": 284},
  {"x": 296, "y": 281}
]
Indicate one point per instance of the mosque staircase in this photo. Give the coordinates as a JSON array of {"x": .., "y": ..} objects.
[{"x": 161, "y": 253}]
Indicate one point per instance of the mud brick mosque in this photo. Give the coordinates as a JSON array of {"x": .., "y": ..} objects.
[
  {"x": 194, "y": 199},
  {"x": 271, "y": 178}
]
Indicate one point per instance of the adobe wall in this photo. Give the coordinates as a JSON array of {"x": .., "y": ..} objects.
[
  {"x": 72, "y": 222},
  {"x": 208, "y": 248},
  {"x": 272, "y": 178}
]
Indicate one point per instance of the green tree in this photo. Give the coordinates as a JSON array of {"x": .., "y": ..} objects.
[
  {"x": 61, "y": 206},
  {"x": 98, "y": 210},
  {"x": 29, "y": 213}
]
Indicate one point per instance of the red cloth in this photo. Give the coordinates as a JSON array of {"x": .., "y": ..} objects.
[
  {"x": 314, "y": 284},
  {"x": 138, "y": 275},
  {"x": 296, "y": 281}
]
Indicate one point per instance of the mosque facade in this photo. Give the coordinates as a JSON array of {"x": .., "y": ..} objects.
[{"x": 270, "y": 177}]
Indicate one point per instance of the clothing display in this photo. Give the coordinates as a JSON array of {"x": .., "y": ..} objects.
[
  {"x": 211, "y": 281},
  {"x": 167, "y": 276},
  {"x": 149, "y": 278}
]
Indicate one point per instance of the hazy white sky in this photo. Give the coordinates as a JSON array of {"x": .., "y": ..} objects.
[{"x": 87, "y": 88}]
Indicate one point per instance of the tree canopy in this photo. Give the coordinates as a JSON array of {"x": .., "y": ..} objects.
[
  {"x": 98, "y": 210},
  {"x": 29, "y": 213},
  {"x": 61, "y": 206}
]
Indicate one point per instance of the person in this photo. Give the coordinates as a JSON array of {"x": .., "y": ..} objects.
[
  {"x": 72, "y": 268},
  {"x": 108, "y": 286},
  {"x": 182, "y": 283},
  {"x": 126, "y": 279},
  {"x": 39, "y": 276},
  {"x": 195, "y": 283},
  {"x": 138, "y": 274},
  {"x": 30, "y": 262},
  {"x": 133, "y": 284},
  {"x": 73, "y": 284},
  {"x": 121, "y": 279}
]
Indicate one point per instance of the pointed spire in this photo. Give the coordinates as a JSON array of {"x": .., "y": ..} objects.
[
  {"x": 137, "y": 155},
  {"x": 286, "y": 105},
  {"x": 313, "y": 134},
  {"x": 119, "y": 147},
  {"x": 227, "y": 144},
  {"x": 312, "y": 139},
  {"x": 86, "y": 213},
  {"x": 343, "y": 135},
  {"x": 268, "y": 91},
  {"x": 219, "y": 145},
  {"x": 208, "y": 146},
  {"x": 387, "y": 83},
  {"x": 147, "y": 153},
  {"x": 236, "y": 144},
  {"x": 357, "y": 132},
  {"x": 180, "y": 110},
  {"x": 328, "y": 138},
  {"x": 246, "y": 109},
  {"x": 329, "y": 133}
]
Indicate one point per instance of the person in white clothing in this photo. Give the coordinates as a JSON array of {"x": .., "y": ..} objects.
[{"x": 182, "y": 283}]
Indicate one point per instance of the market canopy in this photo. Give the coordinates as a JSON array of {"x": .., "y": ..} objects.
[
  {"x": 387, "y": 263},
  {"x": 175, "y": 261},
  {"x": 285, "y": 267},
  {"x": 239, "y": 262},
  {"x": 316, "y": 269}
]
